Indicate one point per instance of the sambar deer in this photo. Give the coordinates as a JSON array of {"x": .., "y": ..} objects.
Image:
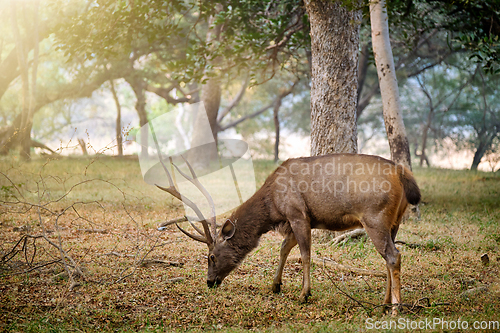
[{"x": 335, "y": 192}]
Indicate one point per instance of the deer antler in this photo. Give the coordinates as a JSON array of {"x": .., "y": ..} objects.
[
  {"x": 206, "y": 236},
  {"x": 194, "y": 180},
  {"x": 162, "y": 226}
]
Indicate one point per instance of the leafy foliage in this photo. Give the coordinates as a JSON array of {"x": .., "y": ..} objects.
[{"x": 472, "y": 26}]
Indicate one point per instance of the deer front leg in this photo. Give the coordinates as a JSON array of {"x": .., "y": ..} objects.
[
  {"x": 288, "y": 243},
  {"x": 388, "y": 296}
]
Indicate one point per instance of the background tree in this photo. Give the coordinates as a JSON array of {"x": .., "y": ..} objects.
[
  {"x": 395, "y": 128},
  {"x": 441, "y": 98},
  {"x": 334, "y": 49},
  {"x": 478, "y": 114},
  {"x": 118, "y": 126}
]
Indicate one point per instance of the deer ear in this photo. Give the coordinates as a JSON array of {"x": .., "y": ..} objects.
[{"x": 228, "y": 230}]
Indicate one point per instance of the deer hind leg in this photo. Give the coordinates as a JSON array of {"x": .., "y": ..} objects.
[
  {"x": 384, "y": 243},
  {"x": 302, "y": 233},
  {"x": 288, "y": 243},
  {"x": 388, "y": 294}
]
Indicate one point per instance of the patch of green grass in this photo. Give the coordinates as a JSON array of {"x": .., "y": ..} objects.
[{"x": 440, "y": 261}]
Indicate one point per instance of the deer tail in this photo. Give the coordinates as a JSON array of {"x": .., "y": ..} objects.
[{"x": 412, "y": 192}]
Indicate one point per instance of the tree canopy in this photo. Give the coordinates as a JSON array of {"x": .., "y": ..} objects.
[{"x": 163, "y": 44}]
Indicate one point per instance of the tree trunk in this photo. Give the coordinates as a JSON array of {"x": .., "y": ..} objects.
[
  {"x": 334, "y": 81},
  {"x": 24, "y": 135},
  {"x": 423, "y": 155},
  {"x": 334, "y": 47},
  {"x": 362, "y": 70},
  {"x": 118, "y": 125},
  {"x": 9, "y": 136},
  {"x": 488, "y": 132},
  {"x": 26, "y": 144},
  {"x": 277, "y": 130},
  {"x": 211, "y": 97},
  {"x": 139, "y": 87},
  {"x": 478, "y": 155},
  {"x": 425, "y": 132},
  {"x": 9, "y": 67},
  {"x": 485, "y": 141},
  {"x": 395, "y": 128}
]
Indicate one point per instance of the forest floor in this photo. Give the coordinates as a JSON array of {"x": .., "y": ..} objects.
[{"x": 132, "y": 277}]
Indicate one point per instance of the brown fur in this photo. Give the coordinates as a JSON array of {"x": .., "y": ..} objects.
[{"x": 334, "y": 192}]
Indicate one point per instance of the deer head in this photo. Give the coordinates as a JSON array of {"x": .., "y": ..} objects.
[{"x": 221, "y": 256}]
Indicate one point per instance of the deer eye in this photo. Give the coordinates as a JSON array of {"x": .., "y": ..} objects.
[{"x": 212, "y": 258}]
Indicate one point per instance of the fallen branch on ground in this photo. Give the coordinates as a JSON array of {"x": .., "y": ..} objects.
[
  {"x": 351, "y": 234},
  {"x": 474, "y": 291},
  {"x": 360, "y": 303},
  {"x": 151, "y": 262},
  {"x": 410, "y": 245},
  {"x": 175, "y": 279},
  {"x": 93, "y": 231}
]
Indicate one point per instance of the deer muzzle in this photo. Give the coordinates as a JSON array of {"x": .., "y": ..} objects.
[{"x": 214, "y": 283}]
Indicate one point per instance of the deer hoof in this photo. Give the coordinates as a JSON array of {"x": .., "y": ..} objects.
[
  {"x": 303, "y": 298},
  {"x": 390, "y": 309},
  {"x": 385, "y": 309},
  {"x": 277, "y": 287},
  {"x": 396, "y": 310}
]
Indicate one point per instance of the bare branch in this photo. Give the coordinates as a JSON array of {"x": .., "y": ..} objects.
[
  {"x": 165, "y": 93},
  {"x": 162, "y": 226},
  {"x": 365, "y": 101},
  {"x": 150, "y": 262},
  {"x": 286, "y": 37},
  {"x": 262, "y": 110},
  {"x": 235, "y": 101},
  {"x": 242, "y": 119}
]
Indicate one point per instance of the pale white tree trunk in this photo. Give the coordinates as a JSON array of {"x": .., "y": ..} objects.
[
  {"x": 394, "y": 125},
  {"x": 396, "y": 133}
]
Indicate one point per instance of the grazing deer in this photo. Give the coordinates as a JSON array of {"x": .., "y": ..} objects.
[{"x": 335, "y": 192}]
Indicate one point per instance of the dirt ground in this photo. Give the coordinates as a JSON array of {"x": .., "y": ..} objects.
[{"x": 97, "y": 221}]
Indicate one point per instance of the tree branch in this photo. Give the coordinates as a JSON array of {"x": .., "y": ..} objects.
[
  {"x": 285, "y": 38},
  {"x": 9, "y": 67},
  {"x": 262, "y": 110},
  {"x": 235, "y": 101},
  {"x": 365, "y": 101},
  {"x": 165, "y": 93}
]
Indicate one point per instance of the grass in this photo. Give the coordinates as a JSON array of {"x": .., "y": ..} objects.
[{"x": 106, "y": 221}]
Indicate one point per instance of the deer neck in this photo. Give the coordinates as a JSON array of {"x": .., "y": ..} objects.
[{"x": 252, "y": 220}]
